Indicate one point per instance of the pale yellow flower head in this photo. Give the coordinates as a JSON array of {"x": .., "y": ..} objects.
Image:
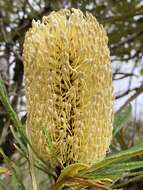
[{"x": 68, "y": 88}]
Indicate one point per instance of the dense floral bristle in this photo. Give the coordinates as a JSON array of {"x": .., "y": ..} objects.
[{"x": 68, "y": 88}]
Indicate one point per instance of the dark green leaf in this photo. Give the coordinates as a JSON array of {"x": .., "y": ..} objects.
[{"x": 121, "y": 118}]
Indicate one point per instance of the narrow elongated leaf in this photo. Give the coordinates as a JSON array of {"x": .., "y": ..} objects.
[
  {"x": 2, "y": 88},
  {"x": 116, "y": 170},
  {"x": 121, "y": 118},
  {"x": 23, "y": 148},
  {"x": 118, "y": 157},
  {"x": 127, "y": 181},
  {"x": 13, "y": 116}
]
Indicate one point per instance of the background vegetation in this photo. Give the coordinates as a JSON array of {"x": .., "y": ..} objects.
[{"x": 123, "y": 21}]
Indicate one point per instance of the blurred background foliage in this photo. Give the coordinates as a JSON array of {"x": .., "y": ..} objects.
[{"x": 123, "y": 21}]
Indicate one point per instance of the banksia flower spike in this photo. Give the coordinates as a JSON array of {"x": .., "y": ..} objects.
[{"x": 68, "y": 88}]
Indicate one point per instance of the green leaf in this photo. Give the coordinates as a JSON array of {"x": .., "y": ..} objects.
[
  {"x": 72, "y": 170},
  {"x": 127, "y": 181},
  {"x": 116, "y": 158},
  {"x": 121, "y": 118},
  {"x": 116, "y": 167},
  {"x": 117, "y": 170},
  {"x": 13, "y": 116},
  {"x": 3, "y": 88}
]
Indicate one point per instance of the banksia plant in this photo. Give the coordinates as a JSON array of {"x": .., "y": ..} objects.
[{"x": 68, "y": 88}]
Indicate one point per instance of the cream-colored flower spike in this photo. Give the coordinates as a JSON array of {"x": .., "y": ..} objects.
[{"x": 68, "y": 88}]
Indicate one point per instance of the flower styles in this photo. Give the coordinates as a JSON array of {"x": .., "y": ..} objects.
[{"x": 68, "y": 88}]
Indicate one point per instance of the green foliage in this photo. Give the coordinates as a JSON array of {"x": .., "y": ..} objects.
[
  {"x": 112, "y": 169},
  {"x": 13, "y": 116},
  {"x": 121, "y": 118}
]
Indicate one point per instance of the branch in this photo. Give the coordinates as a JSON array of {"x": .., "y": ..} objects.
[
  {"x": 128, "y": 91},
  {"x": 129, "y": 56},
  {"x": 134, "y": 96},
  {"x": 124, "y": 75},
  {"x": 124, "y": 17}
]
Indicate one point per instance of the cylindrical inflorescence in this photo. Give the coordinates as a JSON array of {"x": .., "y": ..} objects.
[{"x": 68, "y": 88}]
